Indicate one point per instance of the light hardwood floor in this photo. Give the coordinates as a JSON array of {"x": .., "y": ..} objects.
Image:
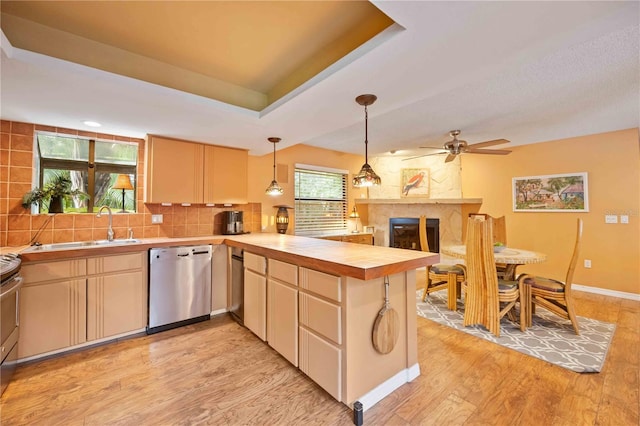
[{"x": 217, "y": 372}]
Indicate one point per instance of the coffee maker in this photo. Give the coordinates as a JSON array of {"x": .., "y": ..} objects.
[{"x": 232, "y": 223}]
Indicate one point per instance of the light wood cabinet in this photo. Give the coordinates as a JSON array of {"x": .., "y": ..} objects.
[
  {"x": 255, "y": 295},
  {"x": 282, "y": 309},
  {"x": 174, "y": 172},
  {"x": 321, "y": 329},
  {"x": 352, "y": 238},
  {"x": 71, "y": 302},
  {"x": 225, "y": 175},
  {"x": 117, "y": 295},
  {"x": 52, "y": 307},
  {"x": 188, "y": 172}
]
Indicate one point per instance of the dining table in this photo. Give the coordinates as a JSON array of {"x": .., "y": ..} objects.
[{"x": 511, "y": 257}]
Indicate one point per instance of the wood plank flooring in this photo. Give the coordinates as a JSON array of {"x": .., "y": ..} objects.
[{"x": 219, "y": 373}]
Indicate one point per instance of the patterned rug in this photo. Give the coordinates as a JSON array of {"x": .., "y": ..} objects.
[{"x": 551, "y": 338}]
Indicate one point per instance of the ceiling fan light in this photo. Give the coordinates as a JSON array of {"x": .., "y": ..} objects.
[{"x": 366, "y": 177}]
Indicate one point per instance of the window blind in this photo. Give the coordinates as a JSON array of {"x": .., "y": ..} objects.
[{"x": 320, "y": 202}]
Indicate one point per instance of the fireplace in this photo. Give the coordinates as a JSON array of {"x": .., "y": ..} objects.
[{"x": 404, "y": 232}]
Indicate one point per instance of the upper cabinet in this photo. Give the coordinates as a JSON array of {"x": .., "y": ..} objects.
[
  {"x": 187, "y": 172},
  {"x": 225, "y": 175}
]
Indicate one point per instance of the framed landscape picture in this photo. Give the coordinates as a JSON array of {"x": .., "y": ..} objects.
[
  {"x": 414, "y": 182},
  {"x": 551, "y": 193}
]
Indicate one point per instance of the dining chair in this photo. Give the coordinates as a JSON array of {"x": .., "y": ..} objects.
[
  {"x": 554, "y": 295},
  {"x": 440, "y": 276},
  {"x": 499, "y": 236},
  {"x": 484, "y": 292}
]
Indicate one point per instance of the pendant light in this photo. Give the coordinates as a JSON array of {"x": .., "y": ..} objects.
[
  {"x": 366, "y": 176},
  {"x": 274, "y": 189}
]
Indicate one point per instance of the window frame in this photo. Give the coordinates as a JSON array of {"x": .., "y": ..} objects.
[
  {"x": 90, "y": 165},
  {"x": 317, "y": 232}
]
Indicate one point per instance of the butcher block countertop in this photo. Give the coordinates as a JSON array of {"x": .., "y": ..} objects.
[{"x": 348, "y": 259}]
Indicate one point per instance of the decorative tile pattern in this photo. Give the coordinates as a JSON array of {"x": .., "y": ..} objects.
[{"x": 551, "y": 338}]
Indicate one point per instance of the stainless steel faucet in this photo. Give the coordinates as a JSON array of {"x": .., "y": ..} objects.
[{"x": 110, "y": 228}]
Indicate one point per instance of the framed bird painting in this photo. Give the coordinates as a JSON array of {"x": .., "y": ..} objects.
[{"x": 414, "y": 182}]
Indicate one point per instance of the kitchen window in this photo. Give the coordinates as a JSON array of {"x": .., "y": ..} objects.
[
  {"x": 92, "y": 165},
  {"x": 320, "y": 200}
]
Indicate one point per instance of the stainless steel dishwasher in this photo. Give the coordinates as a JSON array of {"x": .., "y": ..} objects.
[{"x": 179, "y": 286}]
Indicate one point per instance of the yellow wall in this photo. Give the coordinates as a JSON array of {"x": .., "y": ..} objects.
[
  {"x": 612, "y": 163},
  {"x": 261, "y": 174}
]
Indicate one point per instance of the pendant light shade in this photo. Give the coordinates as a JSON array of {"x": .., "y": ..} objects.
[
  {"x": 366, "y": 176},
  {"x": 274, "y": 189}
]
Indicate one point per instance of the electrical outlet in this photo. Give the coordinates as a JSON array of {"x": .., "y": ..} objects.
[
  {"x": 610, "y": 218},
  {"x": 587, "y": 263},
  {"x": 624, "y": 218},
  {"x": 156, "y": 218}
]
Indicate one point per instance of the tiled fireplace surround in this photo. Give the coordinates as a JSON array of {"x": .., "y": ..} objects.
[{"x": 450, "y": 216}]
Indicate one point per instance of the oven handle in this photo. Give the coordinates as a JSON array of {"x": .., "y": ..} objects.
[{"x": 17, "y": 283}]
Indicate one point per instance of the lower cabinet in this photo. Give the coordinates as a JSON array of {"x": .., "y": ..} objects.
[
  {"x": 71, "y": 302},
  {"x": 52, "y": 316},
  {"x": 283, "y": 320},
  {"x": 322, "y": 362},
  {"x": 255, "y": 302},
  {"x": 282, "y": 309}
]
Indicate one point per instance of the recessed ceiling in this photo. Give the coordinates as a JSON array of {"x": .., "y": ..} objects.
[
  {"x": 523, "y": 71},
  {"x": 246, "y": 53}
]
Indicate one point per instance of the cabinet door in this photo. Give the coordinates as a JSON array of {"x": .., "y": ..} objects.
[
  {"x": 174, "y": 171},
  {"x": 225, "y": 175},
  {"x": 52, "y": 316},
  {"x": 116, "y": 304},
  {"x": 282, "y": 318},
  {"x": 255, "y": 303},
  {"x": 322, "y": 362}
]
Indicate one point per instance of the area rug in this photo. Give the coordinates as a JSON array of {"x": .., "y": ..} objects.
[{"x": 551, "y": 338}]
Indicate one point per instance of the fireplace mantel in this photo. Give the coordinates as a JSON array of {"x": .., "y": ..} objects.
[{"x": 418, "y": 200}]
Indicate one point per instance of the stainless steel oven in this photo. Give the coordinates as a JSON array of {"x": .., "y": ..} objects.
[{"x": 9, "y": 316}]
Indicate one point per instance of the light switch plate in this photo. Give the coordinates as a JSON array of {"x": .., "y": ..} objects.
[
  {"x": 624, "y": 218},
  {"x": 610, "y": 218},
  {"x": 156, "y": 218},
  {"x": 587, "y": 263}
]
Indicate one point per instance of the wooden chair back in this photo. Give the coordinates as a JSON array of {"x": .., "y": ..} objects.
[
  {"x": 499, "y": 226},
  {"x": 424, "y": 243},
  {"x": 574, "y": 260},
  {"x": 482, "y": 304}
]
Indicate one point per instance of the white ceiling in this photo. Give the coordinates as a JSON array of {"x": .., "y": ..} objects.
[{"x": 524, "y": 71}]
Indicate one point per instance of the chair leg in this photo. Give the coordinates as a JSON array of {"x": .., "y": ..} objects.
[
  {"x": 452, "y": 291},
  {"x": 572, "y": 317},
  {"x": 426, "y": 286}
]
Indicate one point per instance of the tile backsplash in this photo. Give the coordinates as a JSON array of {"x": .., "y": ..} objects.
[{"x": 18, "y": 227}]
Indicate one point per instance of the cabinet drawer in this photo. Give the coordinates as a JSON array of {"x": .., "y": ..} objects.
[
  {"x": 283, "y": 271},
  {"x": 320, "y": 283},
  {"x": 255, "y": 263},
  {"x": 63, "y": 269},
  {"x": 117, "y": 263},
  {"x": 321, "y": 316},
  {"x": 322, "y": 362}
]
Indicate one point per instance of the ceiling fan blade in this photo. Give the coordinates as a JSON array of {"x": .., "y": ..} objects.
[
  {"x": 471, "y": 150},
  {"x": 450, "y": 158},
  {"x": 431, "y": 147},
  {"x": 489, "y": 143},
  {"x": 425, "y": 155}
]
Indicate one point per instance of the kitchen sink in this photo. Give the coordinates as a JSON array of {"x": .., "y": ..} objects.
[{"x": 80, "y": 244}]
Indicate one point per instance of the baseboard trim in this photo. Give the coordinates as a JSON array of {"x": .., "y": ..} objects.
[
  {"x": 605, "y": 292},
  {"x": 372, "y": 397}
]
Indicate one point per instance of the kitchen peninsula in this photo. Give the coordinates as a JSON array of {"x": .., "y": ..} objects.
[{"x": 315, "y": 302}]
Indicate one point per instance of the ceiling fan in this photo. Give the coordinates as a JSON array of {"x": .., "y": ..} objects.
[{"x": 456, "y": 146}]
